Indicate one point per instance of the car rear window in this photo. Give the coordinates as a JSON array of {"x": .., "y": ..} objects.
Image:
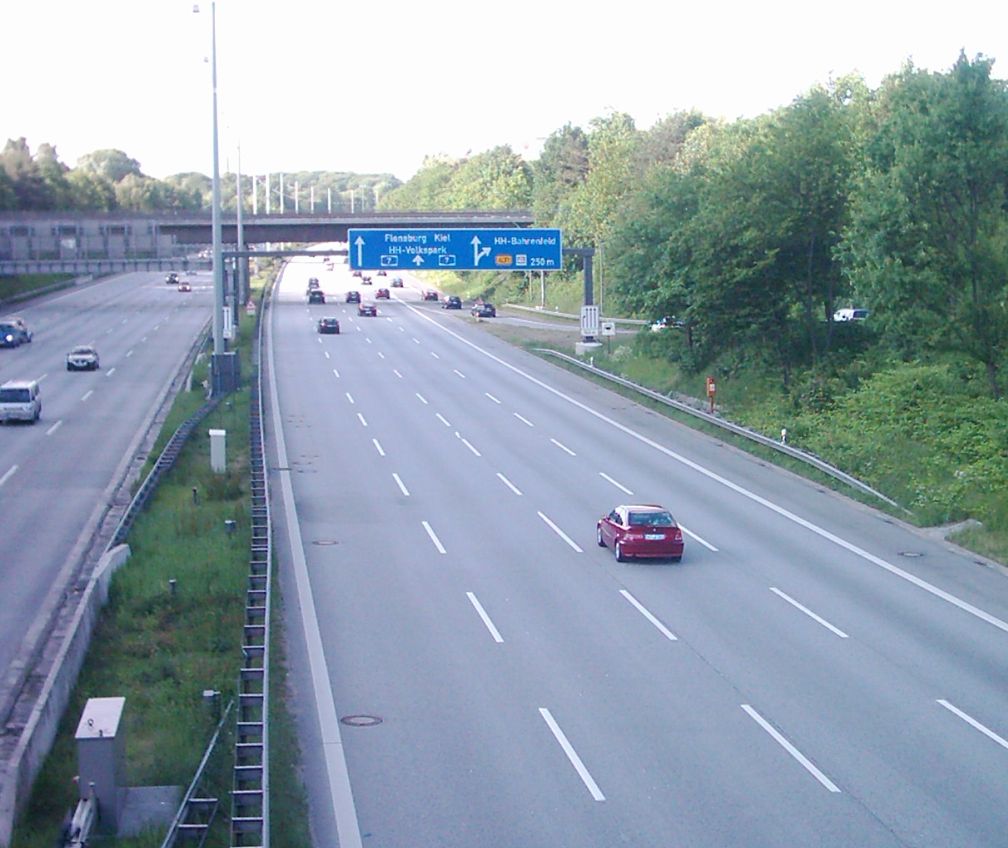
[
  {"x": 14, "y": 396},
  {"x": 651, "y": 519}
]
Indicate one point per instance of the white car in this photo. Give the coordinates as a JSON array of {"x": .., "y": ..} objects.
[
  {"x": 20, "y": 401},
  {"x": 82, "y": 358},
  {"x": 850, "y": 314}
]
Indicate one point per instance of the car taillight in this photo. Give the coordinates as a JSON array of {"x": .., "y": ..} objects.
[{"x": 677, "y": 535}]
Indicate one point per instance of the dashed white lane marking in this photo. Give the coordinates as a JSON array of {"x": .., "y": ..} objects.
[
  {"x": 442, "y": 419},
  {"x": 381, "y": 355},
  {"x": 54, "y": 427},
  {"x": 362, "y": 421},
  {"x": 378, "y": 447},
  {"x": 986, "y": 731},
  {"x": 10, "y": 473},
  {"x": 509, "y": 484},
  {"x": 668, "y": 634},
  {"x": 422, "y": 399},
  {"x": 110, "y": 372},
  {"x": 791, "y": 749},
  {"x": 400, "y": 484},
  {"x": 693, "y": 535},
  {"x": 561, "y": 533},
  {"x": 491, "y": 397},
  {"x": 434, "y": 355},
  {"x": 326, "y": 354},
  {"x": 486, "y": 619},
  {"x": 336, "y": 372},
  {"x": 563, "y": 447},
  {"x": 144, "y": 339},
  {"x": 129, "y": 353},
  {"x": 808, "y": 612},
  {"x": 397, "y": 373},
  {"x": 416, "y": 340},
  {"x": 367, "y": 339},
  {"x": 619, "y": 486},
  {"x": 433, "y": 537},
  {"x": 87, "y": 394},
  {"x": 572, "y": 755},
  {"x": 349, "y": 397},
  {"x": 523, "y": 419},
  {"x": 463, "y": 376}
]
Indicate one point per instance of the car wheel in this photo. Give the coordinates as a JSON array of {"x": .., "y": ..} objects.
[
  {"x": 620, "y": 556},
  {"x": 69, "y": 368},
  {"x": 598, "y": 537}
]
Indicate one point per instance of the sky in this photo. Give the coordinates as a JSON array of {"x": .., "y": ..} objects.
[{"x": 375, "y": 86}]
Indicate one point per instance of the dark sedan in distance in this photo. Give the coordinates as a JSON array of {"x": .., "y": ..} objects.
[
  {"x": 640, "y": 530},
  {"x": 382, "y": 294},
  {"x": 453, "y": 301},
  {"x": 316, "y": 296},
  {"x": 328, "y": 325},
  {"x": 353, "y": 297},
  {"x": 430, "y": 294},
  {"x": 368, "y": 309},
  {"x": 484, "y": 310}
]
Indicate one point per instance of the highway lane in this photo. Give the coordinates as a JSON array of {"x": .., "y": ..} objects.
[
  {"x": 57, "y": 473},
  {"x": 788, "y": 684}
]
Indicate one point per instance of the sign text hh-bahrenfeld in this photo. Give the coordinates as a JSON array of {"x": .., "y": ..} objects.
[{"x": 511, "y": 249}]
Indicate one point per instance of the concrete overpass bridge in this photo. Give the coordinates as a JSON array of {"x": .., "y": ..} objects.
[{"x": 95, "y": 243}]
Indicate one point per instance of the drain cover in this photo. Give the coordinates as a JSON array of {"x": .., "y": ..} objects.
[
  {"x": 324, "y": 542},
  {"x": 911, "y": 554},
  {"x": 361, "y": 720}
]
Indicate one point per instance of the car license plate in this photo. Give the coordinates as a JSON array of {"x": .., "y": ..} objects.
[{"x": 653, "y": 537}]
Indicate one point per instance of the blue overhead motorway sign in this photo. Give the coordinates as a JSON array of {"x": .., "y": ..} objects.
[{"x": 511, "y": 249}]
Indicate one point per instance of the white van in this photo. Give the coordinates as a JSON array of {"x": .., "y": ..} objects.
[
  {"x": 20, "y": 401},
  {"x": 850, "y": 314}
]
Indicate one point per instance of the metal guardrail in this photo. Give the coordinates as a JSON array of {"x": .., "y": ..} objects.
[
  {"x": 737, "y": 429},
  {"x": 196, "y": 812},
  {"x": 250, "y": 783}
]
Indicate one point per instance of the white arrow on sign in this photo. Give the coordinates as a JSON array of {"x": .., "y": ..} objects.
[
  {"x": 418, "y": 260},
  {"x": 360, "y": 250},
  {"x": 478, "y": 252}
]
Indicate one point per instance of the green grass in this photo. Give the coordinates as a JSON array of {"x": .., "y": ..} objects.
[
  {"x": 25, "y": 283},
  {"x": 161, "y": 649}
]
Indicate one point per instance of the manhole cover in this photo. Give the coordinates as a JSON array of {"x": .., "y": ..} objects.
[
  {"x": 911, "y": 554},
  {"x": 361, "y": 720},
  {"x": 323, "y": 542}
]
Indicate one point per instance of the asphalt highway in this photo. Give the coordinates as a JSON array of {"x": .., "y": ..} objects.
[
  {"x": 56, "y": 475},
  {"x": 475, "y": 671}
]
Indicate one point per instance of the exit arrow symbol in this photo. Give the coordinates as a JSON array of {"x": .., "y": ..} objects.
[
  {"x": 418, "y": 260},
  {"x": 360, "y": 250},
  {"x": 478, "y": 252}
]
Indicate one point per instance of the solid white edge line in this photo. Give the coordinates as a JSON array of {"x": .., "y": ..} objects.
[
  {"x": 509, "y": 484},
  {"x": 54, "y": 427},
  {"x": 340, "y": 792},
  {"x": 491, "y": 397},
  {"x": 523, "y": 419},
  {"x": 421, "y": 398},
  {"x": 735, "y": 487},
  {"x": 433, "y": 537},
  {"x": 361, "y": 418},
  {"x": 8, "y": 475},
  {"x": 986, "y": 731},
  {"x": 442, "y": 419},
  {"x": 561, "y": 533},
  {"x": 575, "y": 760},
  {"x": 791, "y": 749},
  {"x": 400, "y": 484},
  {"x": 563, "y": 447},
  {"x": 808, "y": 612},
  {"x": 486, "y": 618},
  {"x": 695, "y": 537},
  {"x": 468, "y": 444},
  {"x": 668, "y": 634},
  {"x": 378, "y": 447},
  {"x": 619, "y": 486}
]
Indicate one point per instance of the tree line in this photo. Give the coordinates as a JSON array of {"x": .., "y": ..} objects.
[
  {"x": 110, "y": 180},
  {"x": 754, "y": 232}
]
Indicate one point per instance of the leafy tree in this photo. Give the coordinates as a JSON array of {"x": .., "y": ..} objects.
[
  {"x": 428, "y": 188},
  {"x": 112, "y": 164},
  {"x": 495, "y": 179},
  {"x": 30, "y": 188},
  {"x": 662, "y": 144},
  {"x": 54, "y": 174},
  {"x": 928, "y": 242},
  {"x": 8, "y": 198},
  {"x": 90, "y": 192},
  {"x": 561, "y": 167}
]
